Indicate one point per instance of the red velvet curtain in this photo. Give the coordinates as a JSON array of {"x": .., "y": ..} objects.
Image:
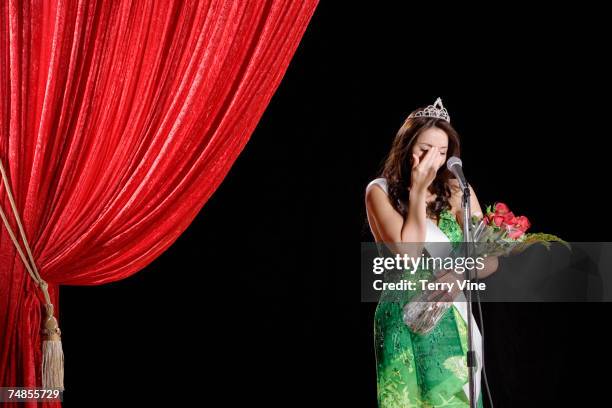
[{"x": 119, "y": 119}]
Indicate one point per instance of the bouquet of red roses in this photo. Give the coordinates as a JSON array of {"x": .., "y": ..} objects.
[{"x": 499, "y": 232}]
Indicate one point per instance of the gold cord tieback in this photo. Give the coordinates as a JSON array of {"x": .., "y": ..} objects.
[{"x": 53, "y": 355}]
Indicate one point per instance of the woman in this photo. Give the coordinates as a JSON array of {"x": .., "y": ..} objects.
[{"x": 418, "y": 200}]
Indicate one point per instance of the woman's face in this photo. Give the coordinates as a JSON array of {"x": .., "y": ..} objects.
[{"x": 432, "y": 138}]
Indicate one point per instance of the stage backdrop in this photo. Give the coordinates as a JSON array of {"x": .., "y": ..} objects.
[{"x": 118, "y": 120}]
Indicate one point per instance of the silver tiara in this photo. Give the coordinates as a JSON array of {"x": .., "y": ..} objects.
[{"x": 437, "y": 110}]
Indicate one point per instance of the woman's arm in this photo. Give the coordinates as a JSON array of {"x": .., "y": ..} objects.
[
  {"x": 490, "y": 263},
  {"x": 393, "y": 229},
  {"x": 391, "y": 226}
]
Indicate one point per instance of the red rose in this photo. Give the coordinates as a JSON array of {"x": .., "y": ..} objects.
[
  {"x": 522, "y": 223},
  {"x": 498, "y": 220},
  {"x": 515, "y": 233},
  {"x": 501, "y": 209},
  {"x": 509, "y": 218}
]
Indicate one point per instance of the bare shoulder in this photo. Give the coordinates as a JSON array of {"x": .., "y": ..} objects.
[
  {"x": 375, "y": 194},
  {"x": 455, "y": 199},
  {"x": 454, "y": 185},
  {"x": 379, "y": 204},
  {"x": 455, "y": 189}
]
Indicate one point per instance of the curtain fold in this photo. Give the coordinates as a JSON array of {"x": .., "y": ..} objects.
[{"x": 118, "y": 120}]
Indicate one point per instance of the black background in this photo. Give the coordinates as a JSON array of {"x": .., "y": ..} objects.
[{"x": 258, "y": 301}]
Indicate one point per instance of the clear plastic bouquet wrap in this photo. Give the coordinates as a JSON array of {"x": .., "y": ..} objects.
[
  {"x": 498, "y": 233},
  {"x": 422, "y": 314}
]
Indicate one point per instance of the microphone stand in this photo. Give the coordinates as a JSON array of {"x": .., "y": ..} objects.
[{"x": 468, "y": 240}]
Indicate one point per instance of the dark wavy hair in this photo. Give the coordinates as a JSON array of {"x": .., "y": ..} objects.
[{"x": 397, "y": 168}]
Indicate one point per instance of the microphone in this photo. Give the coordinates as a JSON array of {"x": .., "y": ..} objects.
[{"x": 455, "y": 166}]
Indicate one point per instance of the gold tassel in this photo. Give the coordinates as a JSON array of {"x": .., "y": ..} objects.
[{"x": 53, "y": 355}]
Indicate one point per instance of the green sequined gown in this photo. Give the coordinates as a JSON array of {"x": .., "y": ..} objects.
[{"x": 422, "y": 371}]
